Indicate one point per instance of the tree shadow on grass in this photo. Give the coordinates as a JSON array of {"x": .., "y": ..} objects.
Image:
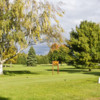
[
  {"x": 74, "y": 70},
  {"x": 93, "y": 73},
  {"x": 71, "y": 70},
  {"x": 3, "y": 98},
  {"x": 6, "y": 72}
]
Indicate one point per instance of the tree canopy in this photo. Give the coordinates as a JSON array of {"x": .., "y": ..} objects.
[
  {"x": 85, "y": 44},
  {"x": 59, "y": 53},
  {"x": 10, "y": 52},
  {"x": 24, "y": 22}
]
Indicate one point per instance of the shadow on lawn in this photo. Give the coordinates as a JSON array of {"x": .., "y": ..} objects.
[
  {"x": 3, "y": 98},
  {"x": 74, "y": 70},
  {"x": 69, "y": 70},
  {"x": 93, "y": 73},
  {"x": 18, "y": 72}
]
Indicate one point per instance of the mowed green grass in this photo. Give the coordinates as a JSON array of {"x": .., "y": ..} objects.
[{"x": 37, "y": 83}]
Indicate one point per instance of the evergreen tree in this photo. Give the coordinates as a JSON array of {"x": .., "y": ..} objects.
[
  {"x": 85, "y": 46},
  {"x": 31, "y": 59}
]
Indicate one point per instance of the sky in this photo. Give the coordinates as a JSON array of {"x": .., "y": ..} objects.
[{"x": 75, "y": 12}]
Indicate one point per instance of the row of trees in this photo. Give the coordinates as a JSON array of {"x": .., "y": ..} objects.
[
  {"x": 21, "y": 59},
  {"x": 83, "y": 48},
  {"x": 30, "y": 59},
  {"x": 34, "y": 59},
  {"x": 42, "y": 59},
  {"x": 24, "y": 22}
]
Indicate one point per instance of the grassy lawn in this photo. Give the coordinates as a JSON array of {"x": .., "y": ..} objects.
[{"x": 37, "y": 83}]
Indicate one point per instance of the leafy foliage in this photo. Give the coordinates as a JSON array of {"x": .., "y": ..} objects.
[
  {"x": 59, "y": 53},
  {"x": 24, "y": 22},
  {"x": 31, "y": 59},
  {"x": 42, "y": 59},
  {"x": 8, "y": 53},
  {"x": 85, "y": 44},
  {"x": 54, "y": 46},
  {"x": 22, "y": 58}
]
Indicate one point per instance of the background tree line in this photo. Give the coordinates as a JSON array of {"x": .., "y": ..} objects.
[
  {"x": 29, "y": 59},
  {"x": 82, "y": 50}
]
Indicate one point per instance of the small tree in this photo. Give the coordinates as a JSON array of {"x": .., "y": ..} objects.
[
  {"x": 59, "y": 53},
  {"x": 31, "y": 59}
]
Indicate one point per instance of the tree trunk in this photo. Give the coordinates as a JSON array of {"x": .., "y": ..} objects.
[{"x": 1, "y": 69}]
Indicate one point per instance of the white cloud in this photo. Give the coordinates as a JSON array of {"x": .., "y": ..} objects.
[{"x": 77, "y": 11}]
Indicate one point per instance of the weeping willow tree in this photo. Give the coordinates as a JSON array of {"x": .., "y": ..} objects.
[{"x": 26, "y": 22}]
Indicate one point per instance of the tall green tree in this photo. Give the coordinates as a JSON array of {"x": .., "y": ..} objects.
[
  {"x": 31, "y": 59},
  {"x": 24, "y": 22},
  {"x": 85, "y": 44}
]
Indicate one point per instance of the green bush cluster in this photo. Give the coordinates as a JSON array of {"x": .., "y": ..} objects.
[
  {"x": 42, "y": 59},
  {"x": 22, "y": 59}
]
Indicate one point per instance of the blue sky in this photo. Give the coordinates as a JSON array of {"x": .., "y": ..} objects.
[{"x": 75, "y": 12}]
